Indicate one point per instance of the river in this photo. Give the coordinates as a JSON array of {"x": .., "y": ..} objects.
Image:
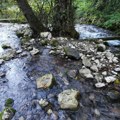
[{"x": 21, "y": 73}]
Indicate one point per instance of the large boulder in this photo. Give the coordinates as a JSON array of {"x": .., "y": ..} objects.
[
  {"x": 72, "y": 53},
  {"x": 68, "y": 99},
  {"x": 45, "y": 81}
]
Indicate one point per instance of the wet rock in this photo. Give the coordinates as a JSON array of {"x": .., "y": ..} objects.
[
  {"x": 117, "y": 69},
  {"x": 8, "y": 54},
  {"x": 99, "y": 85},
  {"x": 68, "y": 99},
  {"x": 6, "y": 46},
  {"x": 97, "y": 61},
  {"x": 34, "y": 51},
  {"x": 114, "y": 95},
  {"x": 19, "y": 51},
  {"x": 86, "y": 62},
  {"x": 47, "y": 35},
  {"x": 109, "y": 56},
  {"x": 94, "y": 68},
  {"x": 115, "y": 60},
  {"x": 101, "y": 47},
  {"x": 72, "y": 53},
  {"x": 97, "y": 112},
  {"x": 85, "y": 72},
  {"x": 2, "y": 74},
  {"x": 9, "y": 102},
  {"x": 24, "y": 54},
  {"x": 72, "y": 73},
  {"x": 43, "y": 102},
  {"x": 1, "y": 61},
  {"x": 49, "y": 111},
  {"x": 110, "y": 79},
  {"x": 104, "y": 73},
  {"x": 21, "y": 118},
  {"x": 45, "y": 81},
  {"x": 98, "y": 77},
  {"x": 8, "y": 113}
]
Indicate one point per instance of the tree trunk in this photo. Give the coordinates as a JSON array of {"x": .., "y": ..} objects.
[
  {"x": 63, "y": 23},
  {"x": 33, "y": 21}
]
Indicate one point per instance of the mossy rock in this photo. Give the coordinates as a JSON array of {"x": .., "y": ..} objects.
[
  {"x": 54, "y": 43},
  {"x": 44, "y": 42},
  {"x": 9, "y": 102},
  {"x": 4, "y": 46}
]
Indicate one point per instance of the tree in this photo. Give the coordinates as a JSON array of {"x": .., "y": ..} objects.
[
  {"x": 63, "y": 22},
  {"x": 63, "y": 18},
  {"x": 33, "y": 21}
]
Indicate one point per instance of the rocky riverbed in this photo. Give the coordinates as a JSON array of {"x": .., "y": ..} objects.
[{"x": 58, "y": 78}]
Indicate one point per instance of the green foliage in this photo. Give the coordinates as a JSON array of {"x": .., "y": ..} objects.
[
  {"x": 99, "y": 12},
  {"x": 9, "y": 102}
]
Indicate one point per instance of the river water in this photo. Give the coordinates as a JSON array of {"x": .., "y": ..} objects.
[{"x": 21, "y": 73}]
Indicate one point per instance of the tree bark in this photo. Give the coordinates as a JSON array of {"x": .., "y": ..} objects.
[
  {"x": 63, "y": 23},
  {"x": 33, "y": 21}
]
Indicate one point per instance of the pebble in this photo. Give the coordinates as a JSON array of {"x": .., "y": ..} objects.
[{"x": 100, "y": 85}]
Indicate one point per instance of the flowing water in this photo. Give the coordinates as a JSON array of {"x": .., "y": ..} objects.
[{"x": 19, "y": 82}]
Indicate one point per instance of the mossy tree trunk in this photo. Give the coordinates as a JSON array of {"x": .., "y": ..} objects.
[
  {"x": 33, "y": 21},
  {"x": 63, "y": 23}
]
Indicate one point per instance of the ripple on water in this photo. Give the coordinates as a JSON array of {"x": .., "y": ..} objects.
[{"x": 18, "y": 86}]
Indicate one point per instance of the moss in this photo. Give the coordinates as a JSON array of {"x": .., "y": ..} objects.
[
  {"x": 5, "y": 46},
  {"x": 9, "y": 102},
  {"x": 44, "y": 42},
  {"x": 54, "y": 43}
]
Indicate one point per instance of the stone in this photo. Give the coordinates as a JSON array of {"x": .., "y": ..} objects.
[
  {"x": 34, "y": 51},
  {"x": 101, "y": 47},
  {"x": 1, "y": 61},
  {"x": 98, "y": 77},
  {"x": 113, "y": 95},
  {"x": 2, "y": 74},
  {"x": 98, "y": 63},
  {"x": 94, "y": 68},
  {"x": 104, "y": 73},
  {"x": 8, "y": 113},
  {"x": 43, "y": 102},
  {"x": 97, "y": 112},
  {"x": 45, "y": 81},
  {"x": 99, "y": 85},
  {"x": 72, "y": 73},
  {"x": 115, "y": 60},
  {"x": 68, "y": 99},
  {"x": 47, "y": 35},
  {"x": 86, "y": 62},
  {"x": 5, "y": 46},
  {"x": 110, "y": 79},
  {"x": 49, "y": 112},
  {"x": 85, "y": 72},
  {"x": 72, "y": 53},
  {"x": 7, "y": 55},
  {"x": 19, "y": 51},
  {"x": 109, "y": 56},
  {"x": 21, "y": 118},
  {"x": 117, "y": 69}
]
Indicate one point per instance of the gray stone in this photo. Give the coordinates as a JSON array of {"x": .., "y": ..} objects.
[
  {"x": 86, "y": 62},
  {"x": 100, "y": 85},
  {"x": 43, "y": 102},
  {"x": 110, "y": 79},
  {"x": 7, "y": 55},
  {"x": 72, "y": 73},
  {"x": 47, "y": 35},
  {"x": 98, "y": 77},
  {"x": 1, "y": 61},
  {"x": 34, "y": 51},
  {"x": 68, "y": 99},
  {"x": 101, "y": 47},
  {"x": 84, "y": 72},
  {"x": 94, "y": 68},
  {"x": 72, "y": 53},
  {"x": 45, "y": 81}
]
